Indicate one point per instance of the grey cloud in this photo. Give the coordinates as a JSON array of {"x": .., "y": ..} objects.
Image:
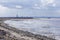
[
  {"x": 28, "y": 10},
  {"x": 26, "y": 4}
]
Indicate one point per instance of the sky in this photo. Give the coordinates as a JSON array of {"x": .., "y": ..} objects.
[{"x": 33, "y": 8}]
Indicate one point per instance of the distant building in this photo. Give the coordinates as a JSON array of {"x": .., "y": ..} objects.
[{"x": 17, "y": 15}]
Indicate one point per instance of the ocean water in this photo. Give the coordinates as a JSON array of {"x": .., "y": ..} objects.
[{"x": 42, "y": 26}]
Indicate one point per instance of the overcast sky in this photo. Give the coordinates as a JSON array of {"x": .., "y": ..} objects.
[{"x": 47, "y": 8}]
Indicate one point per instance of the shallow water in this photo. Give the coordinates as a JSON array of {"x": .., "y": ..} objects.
[{"x": 48, "y": 27}]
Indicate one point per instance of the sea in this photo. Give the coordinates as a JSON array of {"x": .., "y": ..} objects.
[{"x": 44, "y": 26}]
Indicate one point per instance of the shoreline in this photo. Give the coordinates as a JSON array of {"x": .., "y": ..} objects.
[{"x": 25, "y": 33}]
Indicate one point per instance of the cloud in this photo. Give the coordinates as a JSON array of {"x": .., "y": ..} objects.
[
  {"x": 30, "y": 7},
  {"x": 18, "y": 7},
  {"x": 3, "y": 10},
  {"x": 28, "y": 3},
  {"x": 12, "y": 4},
  {"x": 45, "y": 3},
  {"x": 36, "y": 6}
]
